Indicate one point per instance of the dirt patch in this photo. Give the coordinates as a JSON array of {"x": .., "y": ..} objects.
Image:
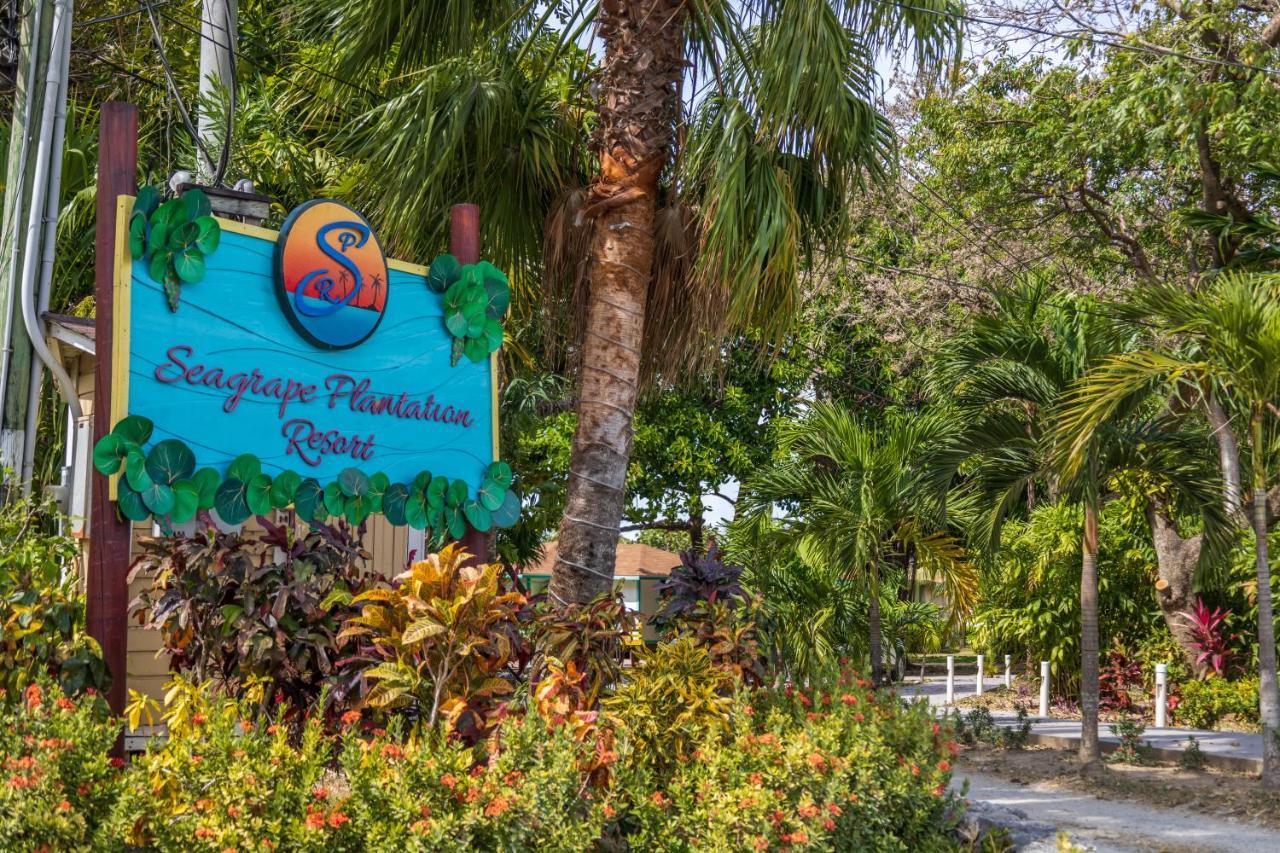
[{"x": 1213, "y": 792}]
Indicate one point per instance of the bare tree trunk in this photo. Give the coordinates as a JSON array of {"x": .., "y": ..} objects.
[
  {"x": 1228, "y": 458},
  {"x": 1176, "y": 561},
  {"x": 1268, "y": 693},
  {"x": 874, "y": 638},
  {"x": 1090, "y": 751},
  {"x": 637, "y": 104}
]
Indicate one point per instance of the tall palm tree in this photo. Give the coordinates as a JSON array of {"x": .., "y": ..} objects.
[
  {"x": 1007, "y": 376},
  {"x": 1225, "y": 342},
  {"x": 857, "y": 495},
  {"x": 724, "y": 139}
]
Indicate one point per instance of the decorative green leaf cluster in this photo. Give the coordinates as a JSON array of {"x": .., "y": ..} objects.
[
  {"x": 164, "y": 483},
  {"x": 174, "y": 237},
  {"x": 476, "y": 297}
]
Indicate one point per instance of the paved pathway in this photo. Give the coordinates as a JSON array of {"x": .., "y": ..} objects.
[
  {"x": 1034, "y": 813},
  {"x": 1234, "y": 750}
]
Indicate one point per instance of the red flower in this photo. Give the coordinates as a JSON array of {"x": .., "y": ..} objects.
[
  {"x": 915, "y": 769},
  {"x": 755, "y": 779},
  {"x": 421, "y": 827},
  {"x": 232, "y": 811},
  {"x": 117, "y": 761},
  {"x": 350, "y": 718},
  {"x": 609, "y": 811},
  {"x": 859, "y": 717},
  {"x": 65, "y": 704},
  {"x": 449, "y": 780},
  {"x": 203, "y": 832},
  {"x": 273, "y": 728},
  {"x": 199, "y": 719},
  {"x": 64, "y": 806},
  {"x": 800, "y": 836},
  {"x": 828, "y": 824},
  {"x": 760, "y": 843},
  {"x": 391, "y": 752},
  {"x": 337, "y": 819},
  {"x": 320, "y": 793},
  {"x": 659, "y": 800},
  {"x": 833, "y": 809},
  {"x": 497, "y": 807},
  {"x": 816, "y": 761},
  {"x": 849, "y": 699},
  {"x": 935, "y": 728},
  {"x": 944, "y": 765},
  {"x": 34, "y": 696},
  {"x": 808, "y": 810},
  {"x": 315, "y": 820}
]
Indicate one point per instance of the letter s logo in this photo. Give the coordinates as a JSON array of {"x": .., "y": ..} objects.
[{"x": 331, "y": 275}]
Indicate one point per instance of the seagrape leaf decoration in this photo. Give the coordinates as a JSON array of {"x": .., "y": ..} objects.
[
  {"x": 476, "y": 298},
  {"x": 174, "y": 237},
  {"x": 162, "y": 482}
]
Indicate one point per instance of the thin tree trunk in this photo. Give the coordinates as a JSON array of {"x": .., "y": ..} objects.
[
  {"x": 1090, "y": 751},
  {"x": 1268, "y": 694},
  {"x": 1228, "y": 459},
  {"x": 873, "y": 629},
  {"x": 637, "y": 104}
]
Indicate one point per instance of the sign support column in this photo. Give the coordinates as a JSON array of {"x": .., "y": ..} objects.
[
  {"x": 107, "y": 584},
  {"x": 464, "y": 244}
]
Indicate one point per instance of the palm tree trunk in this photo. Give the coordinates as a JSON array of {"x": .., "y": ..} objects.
[
  {"x": 873, "y": 628},
  {"x": 637, "y": 105},
  {"x": 1090, "y": 751},
  {"x": 1268, "y": 694}
]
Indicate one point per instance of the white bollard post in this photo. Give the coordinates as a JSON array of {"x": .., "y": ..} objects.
[
  {"x": 978, "y": 681},
  {"x": 1162, "y": 695},
  {"x": 1008, "y": 672},
  {"x": 1044, "y": 688},
  {"x": 951, "y": 679}
]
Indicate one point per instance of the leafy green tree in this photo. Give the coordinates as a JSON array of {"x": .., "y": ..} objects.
[
  {"x": 860, "y": 495},
  {"x": 690, "y": 225},
  {"x": 1229, "y": 336}
]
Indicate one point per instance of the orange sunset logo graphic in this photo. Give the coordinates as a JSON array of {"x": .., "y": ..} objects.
[{"x": 331, "y": 274}]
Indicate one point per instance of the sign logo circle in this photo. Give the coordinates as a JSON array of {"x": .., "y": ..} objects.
[{"x": 331, "y": 274}]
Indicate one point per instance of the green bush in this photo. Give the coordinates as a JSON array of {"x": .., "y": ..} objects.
[
  {"x": 41, "y": 608},
  {"x": 1205, "y": 704},
  {"x": 58, "y": 784},
  {"x": 1029, "y": 598}
]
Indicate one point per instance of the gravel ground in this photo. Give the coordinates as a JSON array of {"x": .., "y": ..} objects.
[{"x": 1032, "y": 811}]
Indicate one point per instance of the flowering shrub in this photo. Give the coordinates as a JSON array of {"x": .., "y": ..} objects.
[
  {"x": 835, "y": 768},
  {"x": 527, "y": 793},
  {"x": 58, "y": 783},
  {"x": 221, "y": 780}
]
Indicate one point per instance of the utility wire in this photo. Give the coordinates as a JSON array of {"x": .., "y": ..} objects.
[{"x": 173, "y": 84}]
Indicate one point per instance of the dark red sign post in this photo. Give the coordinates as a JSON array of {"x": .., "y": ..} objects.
[
  {"x": 464, "y": 244},
  {"x": 107, "y": 587}
]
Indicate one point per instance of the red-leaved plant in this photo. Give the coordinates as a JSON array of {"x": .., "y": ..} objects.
[{"x": 1213, "y": 652}]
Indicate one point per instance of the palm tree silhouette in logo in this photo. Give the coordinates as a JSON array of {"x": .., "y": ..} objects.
[
  {"x": 375, "y": 284},
  {"x": 343, "y": 280}
]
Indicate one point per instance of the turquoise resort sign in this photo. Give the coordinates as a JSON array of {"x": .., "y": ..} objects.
[{"x": 255, "y": 371}]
